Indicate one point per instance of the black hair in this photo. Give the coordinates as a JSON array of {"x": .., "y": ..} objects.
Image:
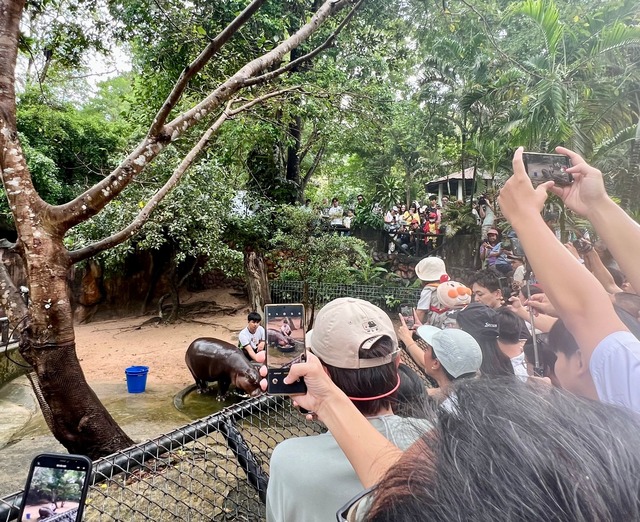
[
  {"x": 495, "y": 363},
  {"x": 254, "y": 316},
  {"x": 547, "y": 358},
  {"x": 433, "y": 197},
  {"x": 511, "y": 328},
  {"x": 528, "y": 291},
  {"x": 412, "y": 394},
  {"x": 369, "y": 382},
  {"x": 512, "y": 451},
  {"x": 489, "y": 278},
  {"x": 561, "y": 340},
  {"x": 334, "y": 200}
]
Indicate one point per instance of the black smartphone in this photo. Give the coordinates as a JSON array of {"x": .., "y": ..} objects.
[
  {"x": 285, "y": 327},
  {"x": 57, "y": 483},
  {"x": 406, "y": 312},
  {"x": 547, "y": 167}
]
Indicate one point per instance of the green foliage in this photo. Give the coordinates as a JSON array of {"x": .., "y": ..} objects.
[
  {"x": 189, "y": 221},
  {"x": 75, "y": 147},
  {"x": 389, "y": 192},
  {"x": 366, "y": 272},
  {"x": 306, "y": 253},
  {"x": 459, "y": 219},
  {"x": 367, "y": 217}
]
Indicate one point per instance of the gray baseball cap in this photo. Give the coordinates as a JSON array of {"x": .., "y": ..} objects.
[{"x": 458, "y": 352}]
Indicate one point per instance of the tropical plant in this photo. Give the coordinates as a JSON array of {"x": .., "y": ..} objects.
[
  {"x": 389, "y": 192},
  {"x": 458, "y": 219}
]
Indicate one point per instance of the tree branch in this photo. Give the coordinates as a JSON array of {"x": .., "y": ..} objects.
[
  {"x": 273, "y": 74},
  {"x": 314, "y": 165},
  {"x": 196, "y": 65},
  {"x": 139, "y": 221},
  {"x": 96, "y": 198},
  {"x": 313, "y": 139}
]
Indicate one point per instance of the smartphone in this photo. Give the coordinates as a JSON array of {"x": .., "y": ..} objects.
[
  {"x": 406, "y": 312},
  {"x": 547, "y": 167},
  {"x": 285, "y": 327},
  {"x": 57, "y": 483}
]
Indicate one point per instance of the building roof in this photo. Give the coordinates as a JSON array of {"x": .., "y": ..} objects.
[{"x": 468, "y": 174}]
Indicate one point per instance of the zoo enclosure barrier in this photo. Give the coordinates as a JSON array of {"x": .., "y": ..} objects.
[
  {"x": 386, "y": 297},
  {"x": 215, "y": 468}
]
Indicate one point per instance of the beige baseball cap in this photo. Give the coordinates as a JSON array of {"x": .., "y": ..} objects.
[{"x": 346, "y": 325}]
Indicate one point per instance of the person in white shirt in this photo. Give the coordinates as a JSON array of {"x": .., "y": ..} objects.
[{"x": 335, "y": 213}]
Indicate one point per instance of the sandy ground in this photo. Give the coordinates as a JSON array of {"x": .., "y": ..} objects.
[{"x": 106, "y": 348}]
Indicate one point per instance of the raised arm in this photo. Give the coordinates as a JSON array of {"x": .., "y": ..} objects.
[
  {"x": 369, "y": 452},
  {"x": 594, "y": 263},
  {"x": 588, "y": 197},
  {"x": 577, "y": 295}
]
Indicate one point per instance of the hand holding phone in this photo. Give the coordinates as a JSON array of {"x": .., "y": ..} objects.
[
  {"x": 547, "y": 167},
  {"x": 57, "y": 483},
  {"x": 407, "y": 315},
  {"x": 285, "y": 325}
]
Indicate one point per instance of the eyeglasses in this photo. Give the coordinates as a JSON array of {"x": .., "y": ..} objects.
[{"x": 357, "y": 508}]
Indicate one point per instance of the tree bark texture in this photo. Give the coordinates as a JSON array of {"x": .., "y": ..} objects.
[
  {"x": 255, "y": 270},
  {"x": 73, "y": 412}
]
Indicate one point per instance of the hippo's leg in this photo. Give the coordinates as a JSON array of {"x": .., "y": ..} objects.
[
  {"x": 223, "y": 387},
  {"x": 201, "y": 385}
]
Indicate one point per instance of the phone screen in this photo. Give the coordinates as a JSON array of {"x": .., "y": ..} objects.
[
  {"x": 407, "y": 313},
  {"x": 285, "y": 327},
  {"x": 56, "y": 484},
  {"x": 547, "y": 167}
]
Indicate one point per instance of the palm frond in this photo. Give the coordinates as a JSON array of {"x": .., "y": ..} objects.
[{"x": 546, "y": 15}]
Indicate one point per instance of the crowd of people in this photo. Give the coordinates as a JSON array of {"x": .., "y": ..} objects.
[
  {"x": 418, "y": 225},
  {"x": 534, "y": 415}
]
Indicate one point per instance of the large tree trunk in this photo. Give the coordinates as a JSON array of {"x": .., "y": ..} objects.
[
  {"x": 72, "y": 410},
  {"x": 255, "y": 271}
]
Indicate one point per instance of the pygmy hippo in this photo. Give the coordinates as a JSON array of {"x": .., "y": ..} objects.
[{"x": 210, "y": 359}]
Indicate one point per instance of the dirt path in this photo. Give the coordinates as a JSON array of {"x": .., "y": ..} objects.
[{"x": 106, "y": 348}]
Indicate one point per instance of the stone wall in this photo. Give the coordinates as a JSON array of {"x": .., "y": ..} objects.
[{"x": 459, "y": 254}]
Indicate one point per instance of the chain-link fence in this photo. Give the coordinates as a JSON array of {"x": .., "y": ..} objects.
[
  {"x": 385, "y": 297},
  {"x": 215, "y": 468}
]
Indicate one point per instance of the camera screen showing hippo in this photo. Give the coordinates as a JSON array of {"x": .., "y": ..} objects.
[{"x": 210, "y": 360}]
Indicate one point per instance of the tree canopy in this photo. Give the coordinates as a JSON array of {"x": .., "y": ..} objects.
[{"x": 286, "y": 100}]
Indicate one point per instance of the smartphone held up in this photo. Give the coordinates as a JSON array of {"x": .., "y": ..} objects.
[
  {"x": 285, "y": 325},
  {"x": 407, "y": 314},
  {"x": 56, "y": 484},
  {"x": 547, "y": 167}
]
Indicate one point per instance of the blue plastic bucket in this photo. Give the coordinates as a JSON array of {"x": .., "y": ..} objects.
[{"x": 136, "y": 378}]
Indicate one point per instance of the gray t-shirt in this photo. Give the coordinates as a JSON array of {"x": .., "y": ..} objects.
[
  {"x": 245, "y": 337},
  {"x": 615, "y": 370},
  {"x": 311, "y": 478}
]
